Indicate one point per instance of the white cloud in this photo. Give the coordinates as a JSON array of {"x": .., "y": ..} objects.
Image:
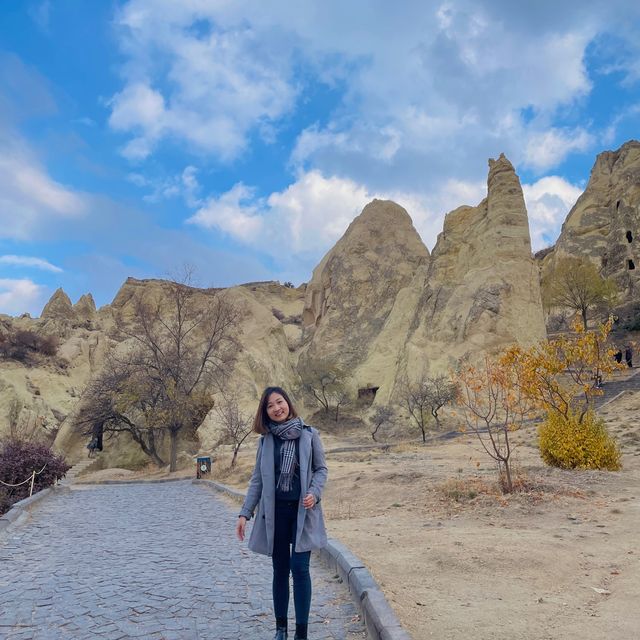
[
  {"x": 234, "y": 212},
  {"x": 19, "y": 296},
  {"x": 187, "y": 80},
  {"x": 305, "y": 218},
  {"x": 28, "y": 195},
  {"x": 28, "y": 261},
  {"x": 184, "y": 185},
  {"x": 141, "y": 109},
  {"x": 315, "y": 211},
  {"x": 547, "y": 149},
  {"x": 310, "y": 215},
  {"x": 433, "y": 74},
  {"x": 548, "y": 200}
]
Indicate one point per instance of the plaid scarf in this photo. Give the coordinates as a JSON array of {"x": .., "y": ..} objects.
[{"x": 288, "y": 431}]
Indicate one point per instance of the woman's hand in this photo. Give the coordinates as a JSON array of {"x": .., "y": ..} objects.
[
  {"x": 242, "y": 523},
  {"x": 309, "y": 501}
]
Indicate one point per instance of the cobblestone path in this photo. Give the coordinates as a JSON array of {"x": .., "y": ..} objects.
[{"x": 157, "y": 561}]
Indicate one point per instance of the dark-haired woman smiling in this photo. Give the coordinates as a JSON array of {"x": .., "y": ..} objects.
[{"x": 286, "y": 486}]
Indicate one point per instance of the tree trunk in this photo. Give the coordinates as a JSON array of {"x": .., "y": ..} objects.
[
  {"x": 148, "y": 448},
  {"x": 173, "y": 461},
  {"x": 584, "y": 318},
  {"x": 507, "y": 472}
]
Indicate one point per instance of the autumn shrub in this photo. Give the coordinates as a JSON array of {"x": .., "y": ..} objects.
[
  {"x": 18, "y": 460},
  {"x": 570, "y": 443}
]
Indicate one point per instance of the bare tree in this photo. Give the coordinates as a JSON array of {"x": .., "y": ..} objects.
[
  {"x": 379, "y": 417},
  {"x": 416, "y": 397},
  {"x": 576, "y": 284},
  {"x": 181, "y": 349},
  {"x": 424, "y": 397},
  {"x": 324, "y": 384},
  {"x": 439, "y": 391},
  {"x": 236, "y": 426},
  {"x": 119, "y": 401},
  {"x": 341, "y": 399}
]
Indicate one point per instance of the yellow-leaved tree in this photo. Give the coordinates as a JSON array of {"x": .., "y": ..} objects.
[
  {"x": 493, "y": 405},
  {"x": 562, "y": 377}
]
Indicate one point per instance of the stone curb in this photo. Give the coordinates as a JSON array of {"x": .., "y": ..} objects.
[
  {"x": 379, "y": 618},
  {"x": 26, "y": 504},
  {"x": 360, "y": 447},
  {"x": 156, "y": 481},
  {"x": 610, "y": 400},
  {"x": 238, "y": 496}
]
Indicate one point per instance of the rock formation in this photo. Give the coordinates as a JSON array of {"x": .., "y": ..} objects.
[
  {"x": 266, "y": 356},
  {"x": 59, "y": 307},
  {"x": 479, "y": 292},
  {"x": 354, "y": 287},
  {"x": 604, "y": 224},
  {"x": 85, "y": 308},
  {"x": 379, "y": 307}
]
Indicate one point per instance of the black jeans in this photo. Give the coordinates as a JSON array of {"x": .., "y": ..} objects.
[{"x": 286, "y": 561}]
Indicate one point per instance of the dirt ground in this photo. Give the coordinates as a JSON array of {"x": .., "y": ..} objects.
[{"x": 456, "y": 559}]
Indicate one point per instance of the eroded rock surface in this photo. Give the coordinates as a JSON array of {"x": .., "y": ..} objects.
[
  {"x": 479, "y": 292},
  {"x": 355, "y": 286},
  {"x": 604, "y": 224}
]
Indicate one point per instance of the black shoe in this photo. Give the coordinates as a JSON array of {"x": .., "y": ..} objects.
[{"x": 281, "y": 633}]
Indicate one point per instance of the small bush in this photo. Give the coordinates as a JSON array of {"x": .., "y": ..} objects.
[
  {"x": 23, "y": 345},
  {"x": 49, "y": 346},
  {"x": 570, "y": 444},
  {"x": 17, "y": 462}
]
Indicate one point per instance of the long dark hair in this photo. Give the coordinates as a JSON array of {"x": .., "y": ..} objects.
[{"x": 261, "y": 421}]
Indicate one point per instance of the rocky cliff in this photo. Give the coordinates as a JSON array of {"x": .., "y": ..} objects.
[
  {"x": 604, "y": 224},
  {"x": 478, "y": 293},
  {"x": 354, "y": 287}
]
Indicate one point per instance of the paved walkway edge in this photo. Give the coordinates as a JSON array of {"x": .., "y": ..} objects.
[
  {"x": 132, "y": 481},
  {"x": 24, "y": 506},
  {"x": 379, "y": 618}
]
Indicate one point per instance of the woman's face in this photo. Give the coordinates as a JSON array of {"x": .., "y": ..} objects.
[{"x": 277, "y": 408}]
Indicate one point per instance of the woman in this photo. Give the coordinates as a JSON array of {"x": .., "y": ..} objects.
[{"x": 286, "y": 484}]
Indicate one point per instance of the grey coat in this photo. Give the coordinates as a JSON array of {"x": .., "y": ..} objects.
[{"x": 311, "y": 533}]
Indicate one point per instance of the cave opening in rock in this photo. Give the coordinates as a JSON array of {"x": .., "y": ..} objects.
[
  {"x": 367, "y": 395},
  {"x": 632, "y": 265},
  {"x": 629, "y": 236}
]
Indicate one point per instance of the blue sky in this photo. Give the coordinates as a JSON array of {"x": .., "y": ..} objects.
[{"x": 243, "y": 137}]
